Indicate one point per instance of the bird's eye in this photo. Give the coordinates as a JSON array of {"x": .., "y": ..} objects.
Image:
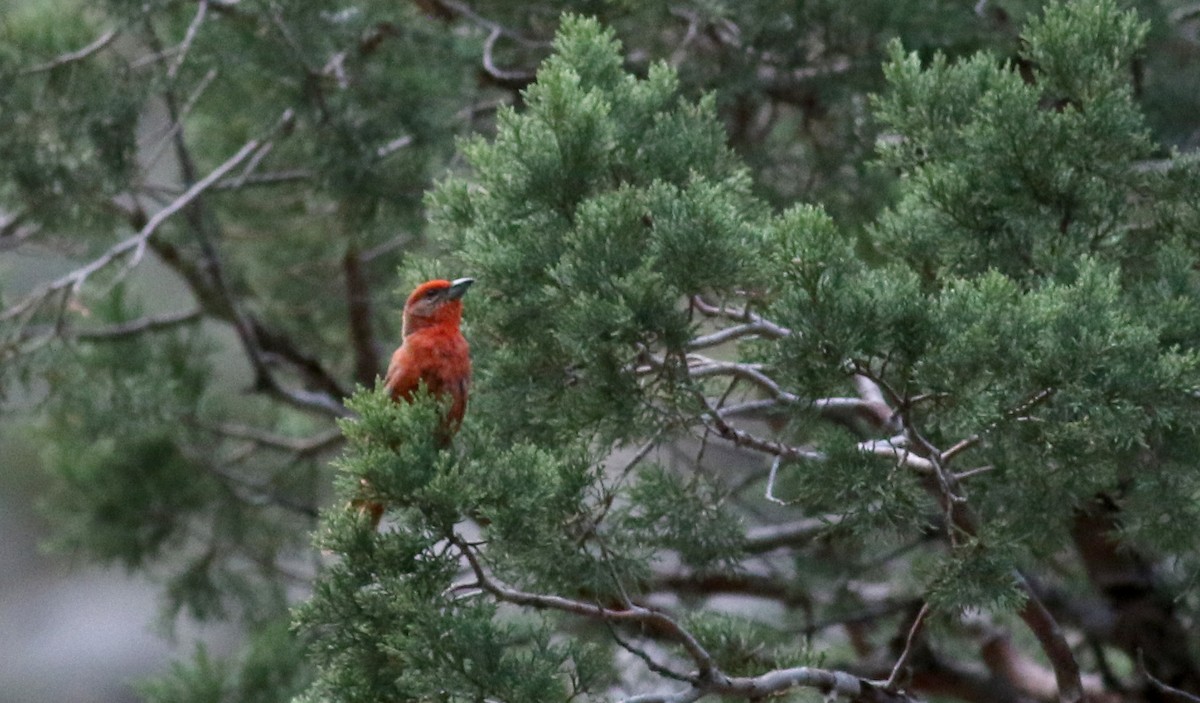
[{"x": 431, "y": 294}]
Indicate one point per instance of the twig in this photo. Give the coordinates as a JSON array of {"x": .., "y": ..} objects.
[
  {"x": 251, "y": 166},
  {"x": 71, "y": 57},
  {"x": 833, "y": 684},
  {"x": 893, "y": 681},
  {"x": 152, "y": 323},
  {"x": 13, "y": 234},
  {"x": 464, "y": 10},
  {"x": 963, "y": 475},
  {"x": 743, "y": 438},
  {"x": 188, "y": 37},
  {"x": 1034, "y": 400}
]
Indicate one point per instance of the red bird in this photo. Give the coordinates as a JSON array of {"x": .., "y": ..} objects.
[{"x": 433, "y": 352}]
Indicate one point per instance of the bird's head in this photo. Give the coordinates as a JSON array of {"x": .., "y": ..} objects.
[{"x": 436, "y": 302}]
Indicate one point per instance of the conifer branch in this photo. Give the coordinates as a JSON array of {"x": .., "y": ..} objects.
[{"x": 710, "y": 680}]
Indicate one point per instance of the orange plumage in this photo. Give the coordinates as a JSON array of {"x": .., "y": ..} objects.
[{"x": 434, "y": 353}]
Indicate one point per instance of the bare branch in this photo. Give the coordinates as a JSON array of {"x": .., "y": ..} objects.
[
  {"x": 687, "y": 696},
  {"x": 769, "y": 492},
  {"x": 134, "y": 246},
  {"x": 71, "y": 57},
  {"x": 833, "y": 684},
  {"x": 458, "y": 8},
  {"x": 131, "y": 328},
  {"x": 360, "y": 315},
  {"x": 743, "y": 438},
  {"x": 746, "y": 372},
  {"x": 251, "y": 166}
]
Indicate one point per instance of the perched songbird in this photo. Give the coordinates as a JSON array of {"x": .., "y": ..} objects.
[
  {"x": 434, "y": 350},
  {"x": 434, "y": 353}
]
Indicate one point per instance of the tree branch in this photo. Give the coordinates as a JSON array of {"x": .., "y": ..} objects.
[
  {"x": 134, "y": 246},
  {"x": 773, "y": 330},
  {"x": 71, "y": 57},
  {"x": 132, "y": 328},
  {"x": 705, "y": 664}
]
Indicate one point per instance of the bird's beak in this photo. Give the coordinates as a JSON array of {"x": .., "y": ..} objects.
[{"x": 458, "y": 288}]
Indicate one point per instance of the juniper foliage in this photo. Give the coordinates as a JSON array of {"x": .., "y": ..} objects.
[{"x": 808, "y": 339}]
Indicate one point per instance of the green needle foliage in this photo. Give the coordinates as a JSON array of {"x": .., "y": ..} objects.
[{"x": 808, "y": 339}]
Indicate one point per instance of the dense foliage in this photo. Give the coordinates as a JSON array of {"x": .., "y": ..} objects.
[{"x": 819, "y": 348}]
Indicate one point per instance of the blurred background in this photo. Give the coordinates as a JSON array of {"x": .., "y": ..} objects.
[{"x": 71, "y": 630}]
